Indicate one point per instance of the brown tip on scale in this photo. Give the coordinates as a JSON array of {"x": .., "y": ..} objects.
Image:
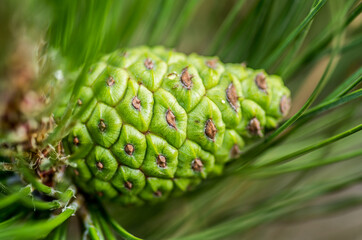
[
  {"x": 210, "y": 129},
  {"x": 212, "y": 63},
  {"x": 149, "y": 64},
  {"x": 260, "y": 81},
  {"x": 171, "y": 119},
  {"x": 197, "y": 165},
  {"x": 129, "y": 149},
  {"x": 110, "y": 81},
  {"x": 136, "y": 103},
  {"x": 254, "y": 127},
  {"x": 186, "y": 78},
  {"x": 232, "y": 96},
  {"x": 161, "y": 161},
  {"x": 158, "y": 193},
  {"x": 99, "y": 165},
  {"x": 102, "y": 126},
  {"x": 284, "y": 105},
  {"x": 76, "y": 141},
  {"x": 79, "y": 102},
  {"x": 100, "y": 194},
  {"x": 128, "y": 185},
  {"x": 235, "y": 151}
]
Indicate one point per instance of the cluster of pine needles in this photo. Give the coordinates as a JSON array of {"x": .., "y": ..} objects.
[{"x": 309, "y": 168}]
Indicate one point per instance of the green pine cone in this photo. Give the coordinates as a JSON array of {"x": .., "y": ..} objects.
[{"x": 158, "y": 122}]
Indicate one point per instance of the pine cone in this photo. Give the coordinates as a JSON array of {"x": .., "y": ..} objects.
[{"x": 157, "y": 122}]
